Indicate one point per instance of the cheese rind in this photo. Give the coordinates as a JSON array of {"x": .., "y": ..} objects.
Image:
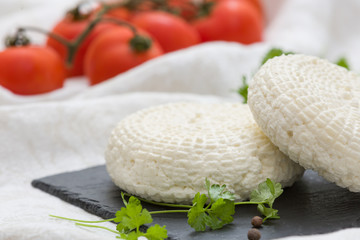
[
  {"x": 164, "y": 153},
  {"x": 309, "y": 108}
]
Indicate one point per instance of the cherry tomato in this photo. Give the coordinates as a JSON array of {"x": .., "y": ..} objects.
[
  {"x": 231, "y": 20},
  {"x": 185, "y": 8},
  {"x": 120, "y": 13},
  {"x": 256, "y": 3},
  {"x": 113, "y": 53},
  {"x": 170, "y": 31},
  {"x": 70, "y": 28},
  {"x": 143, "y": 6},
  {"x": 31, "y": 70}
]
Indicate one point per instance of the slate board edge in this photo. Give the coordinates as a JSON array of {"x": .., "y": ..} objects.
[{"x": 96, "y": 209}]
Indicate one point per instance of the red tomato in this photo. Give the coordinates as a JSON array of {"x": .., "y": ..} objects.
[
  {"x": 144, "y": 6},
  {"x": 120, "y": 13},
  {"x": 231, "y": 20},
  {"x": 185, "y": 8},
  {"x": 111, "y": 54},
  {"x": 31, "y": 70},
  {"x": 170, "y": 31},
  {"x": 70, "y": 29},
  {"x": 256, "y": 3}
]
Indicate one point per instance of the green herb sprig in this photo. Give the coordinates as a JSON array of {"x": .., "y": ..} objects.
[
  {"x": 212, "y": 210},
  {"x": 342, "y": 62},
  {"x": 243, "y": 90},
  {"x": 274, "y": 52},
  {"x": 265, "y": 195},
  {"x": 217, "y": 213},
  {"x": 129, "y": 218}
]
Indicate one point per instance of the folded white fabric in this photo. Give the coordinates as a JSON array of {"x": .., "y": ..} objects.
[
  {"x": 68, "y": 129},
  {"x": 48, "y": 138}
]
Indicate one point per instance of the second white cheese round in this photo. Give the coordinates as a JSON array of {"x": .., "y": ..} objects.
[
  {"x": 310, "y": 109},
  {"x": 164, "y": 153}
]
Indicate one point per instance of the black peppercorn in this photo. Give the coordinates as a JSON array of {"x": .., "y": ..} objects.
[
  {"x": 256, "y": 221},
  {"x": 254, "y": 234}
]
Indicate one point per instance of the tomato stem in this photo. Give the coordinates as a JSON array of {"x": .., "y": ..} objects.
[
  {"x": 50, "y": 34},
  {"x": 138, "y": 43},
  {"x": 71, "y": 46},
  {"x": 205, "y": 8},
  {"x": 76, "y": 14},
  {"x": 18, "y": 39},
  {"x": 120, "y": 22}
]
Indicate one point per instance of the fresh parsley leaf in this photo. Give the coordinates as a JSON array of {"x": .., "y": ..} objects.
[
  {"x": 275, "y": 189},
  {"x": 156, "y": 232},
  {"x": 268, "y": 212},
  {"x": 267, "y": 192},
  {"x": 215, "y": 215},
  {"x": 274, "y": 52},
  {"x": 271, "y": 186},
  {"x": 227, "y": 195},
  {"x": 214, "y": 222},
  {"x": 132, "y": 216},
  {"x": 207, "y": 185},
  {"x": 134, "y": 235},
  {"x": 123, "y": 228},
  {"x": 223, "y": 209},
  {"x": 216, "y": 192},
  {"x": 342, "y": 62},
  {"x": 243, "y": 90},
  {"x": 196, "y": 216}
]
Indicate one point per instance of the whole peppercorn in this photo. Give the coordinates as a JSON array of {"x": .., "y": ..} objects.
[
  {"x": 256, "y": 221},
  {"x": 254, "y": 234}
]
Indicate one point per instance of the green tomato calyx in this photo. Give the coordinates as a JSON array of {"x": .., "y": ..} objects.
[
  {"x": 18, "y": 39},
  {"x": 140, "y": 43}
]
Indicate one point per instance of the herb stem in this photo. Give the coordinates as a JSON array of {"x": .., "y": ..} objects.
[
  {"x": 211, "y": 202},
  {"x": 95, "y": 226},
  {"x": 161, "y": 204},
  {"x": 247, "y": 203},
  {"x": 83, "y": 221},
  {"x": 169, "y": 211}
]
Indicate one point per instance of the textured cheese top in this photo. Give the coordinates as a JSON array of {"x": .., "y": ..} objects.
[
  {"x": 309, "y": 108},
  {"x": 164, "y": 153}
]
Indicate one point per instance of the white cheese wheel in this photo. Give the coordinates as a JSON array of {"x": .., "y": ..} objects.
[
  {"x": 164, "y": 153},
  {"x": 309, "y": 108}
]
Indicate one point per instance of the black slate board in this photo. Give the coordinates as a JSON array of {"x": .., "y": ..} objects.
[{"x": 311, "y": 206}]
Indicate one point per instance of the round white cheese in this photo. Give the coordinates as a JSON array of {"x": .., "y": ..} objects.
[
  {"x": 309, "y": 108},
  {"x": 164, "y": 153}
]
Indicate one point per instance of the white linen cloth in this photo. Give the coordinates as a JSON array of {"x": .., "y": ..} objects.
[{"x": 67, "y": 130}]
